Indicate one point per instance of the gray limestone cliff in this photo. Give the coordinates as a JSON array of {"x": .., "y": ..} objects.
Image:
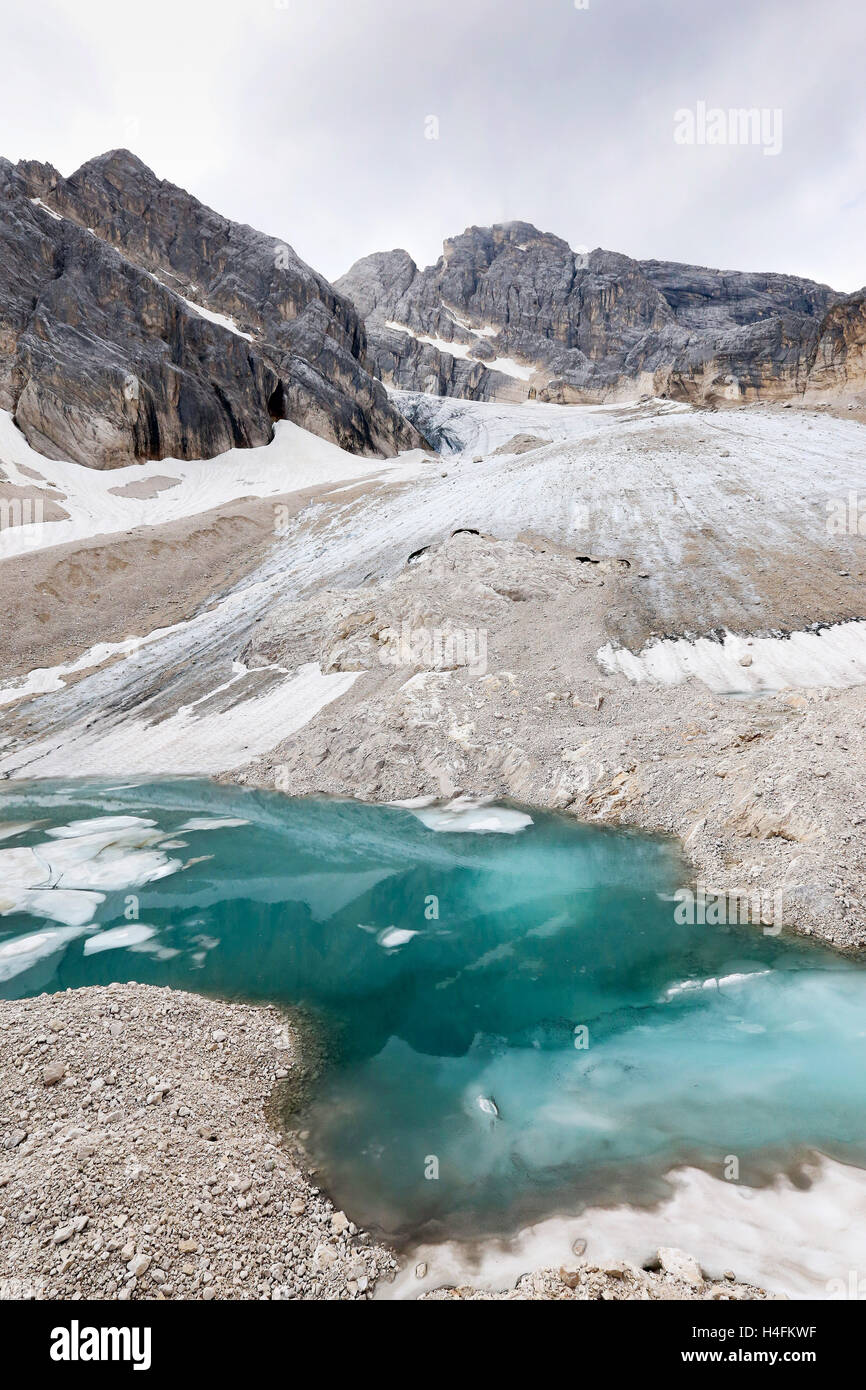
[
  {"x": 509, "y": 312},
  {"x": 136, "y": 323}
]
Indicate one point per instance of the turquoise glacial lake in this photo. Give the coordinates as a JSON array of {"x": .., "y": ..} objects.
[{"x": 507, "y": 1019}]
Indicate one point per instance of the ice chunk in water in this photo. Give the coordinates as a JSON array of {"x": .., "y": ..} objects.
[{"x": 117, "y": 937}]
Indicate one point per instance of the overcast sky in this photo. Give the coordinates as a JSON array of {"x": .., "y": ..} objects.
[{"x": 310, "y": 119}]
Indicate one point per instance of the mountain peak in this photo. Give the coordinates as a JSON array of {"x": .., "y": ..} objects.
[
  {"x": 120, "y": 163},
  {"x": 510, "y": 312}
]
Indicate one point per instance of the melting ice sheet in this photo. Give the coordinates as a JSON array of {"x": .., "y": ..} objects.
[{"x": 515, "y": 1027}]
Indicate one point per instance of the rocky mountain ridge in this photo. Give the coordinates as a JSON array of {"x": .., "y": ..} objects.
[
  {"x": 509, "y": 312},
  {"x": 136, "y": 323}
]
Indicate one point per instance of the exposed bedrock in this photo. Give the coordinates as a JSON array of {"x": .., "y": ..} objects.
[
  {"x": 509, "y": 312},
  {"x": 136, "y": 323}
]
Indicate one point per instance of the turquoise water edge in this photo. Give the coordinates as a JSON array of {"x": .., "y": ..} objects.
[{"x": 512, "y": 1022}]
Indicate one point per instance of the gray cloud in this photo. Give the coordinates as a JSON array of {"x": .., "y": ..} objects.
[{"x": 309, "y": 120}]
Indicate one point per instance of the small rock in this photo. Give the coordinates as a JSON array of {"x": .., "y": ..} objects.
[
  {"x": 54, "y": 1072},
  {"x": 680, "y": 1266}
]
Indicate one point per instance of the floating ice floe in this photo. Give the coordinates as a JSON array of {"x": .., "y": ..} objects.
[
  {"x": 66, "y": 878},
  {"x": 72, "y": 906},
  {"x": 21, "y": 952},
  {"x": 392, "y": 937},
  {"x": 117, "y": 938},
  {"x": 99, "y": 825},
  {"x": 714, "y": 982},
  {"x": 16, "y": 827},
  {"x": 211, "y": 823},
  {"x": 466, "y": 815}
]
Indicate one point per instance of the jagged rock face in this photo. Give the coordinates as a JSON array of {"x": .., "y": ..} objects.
[
  {"x": 509, "y": 312},
  {"x": 839, "y": 363},
  {"x": 105, "y": 357}
]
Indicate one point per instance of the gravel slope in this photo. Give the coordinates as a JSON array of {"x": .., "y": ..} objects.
[{"x": 137, "y": 1162}]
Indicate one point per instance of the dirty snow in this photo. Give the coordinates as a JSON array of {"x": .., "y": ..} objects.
[
  {"x": 294, "y": 460},
  {"x": 834, "y": 656},
  {"x": 802, "y": 1243}
]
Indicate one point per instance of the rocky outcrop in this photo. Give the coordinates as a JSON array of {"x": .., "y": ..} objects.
[
  {"x": 135, "y": 323},
  {"x": 508, "y": 312},
  {"x": 839, "y": 360}
]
